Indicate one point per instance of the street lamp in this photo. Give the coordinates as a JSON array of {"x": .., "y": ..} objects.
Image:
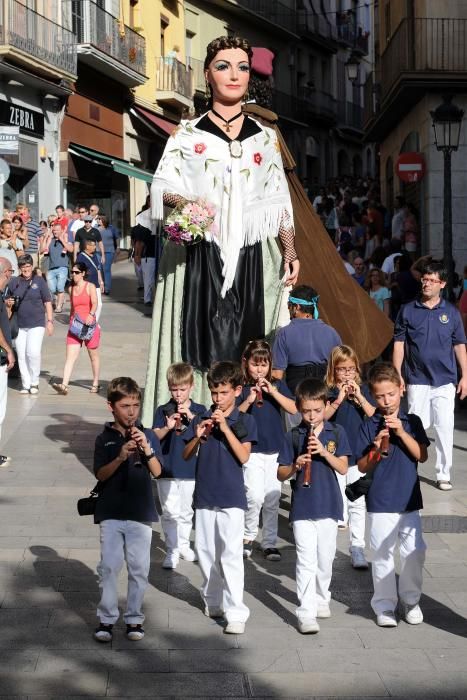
[
  {"x": 352, "y": 67},
  {"x": 447, "y": 122}
]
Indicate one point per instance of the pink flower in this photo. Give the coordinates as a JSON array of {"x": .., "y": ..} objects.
[
  {"x": 199, "y": 148},
  {"x": 257, "y": 158}
]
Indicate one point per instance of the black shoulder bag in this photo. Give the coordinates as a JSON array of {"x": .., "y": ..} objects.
[{"x": 87, "y": 506}]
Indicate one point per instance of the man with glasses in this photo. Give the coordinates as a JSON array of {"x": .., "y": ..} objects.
[
  {"x": 7, "y": 357},
  {"x": 428, "y": 339}
]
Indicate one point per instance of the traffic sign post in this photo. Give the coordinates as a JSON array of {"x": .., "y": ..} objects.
[{"x": 410, "y": 167}]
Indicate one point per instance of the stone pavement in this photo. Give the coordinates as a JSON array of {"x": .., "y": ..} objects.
[{"x": 48, "y": 585}]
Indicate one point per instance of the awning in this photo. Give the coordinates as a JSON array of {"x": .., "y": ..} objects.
[
  {"x": 119, "y": 166},
  {"x": 159, "y": 122}
]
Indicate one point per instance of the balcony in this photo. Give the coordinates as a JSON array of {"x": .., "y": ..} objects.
[
  {"x": 174, "y": 83},
  {"x": 289, "y": 107},
  {"x": 316, "y": 29},
  {"x": 278, "y": 17},
  {"x": 30, "y": 39},
  {"x": 106, "y": 44},
  {"x": 318, "y": 104},
  {"x": 350, "y": 35},
  {"x": 422, "y": 54},
  {"x": 350, "y": 115}
]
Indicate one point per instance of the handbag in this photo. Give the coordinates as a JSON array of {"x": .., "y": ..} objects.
[
  {"x": 82, "y": 330},
  {"x": 13, "y": 320},
  {"x": 87, "y": 506}
]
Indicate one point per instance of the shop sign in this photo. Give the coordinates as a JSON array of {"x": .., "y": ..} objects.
[
  {"x": 28, "y": 120},
  {"x": 410, "y": 167},
  {"x": 9, "y": 141}
]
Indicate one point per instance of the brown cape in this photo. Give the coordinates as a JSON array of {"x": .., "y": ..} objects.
[{"x": 342, "y": 302}]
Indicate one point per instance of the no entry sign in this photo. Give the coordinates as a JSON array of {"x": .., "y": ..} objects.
[{"x": 410, "y": 167}]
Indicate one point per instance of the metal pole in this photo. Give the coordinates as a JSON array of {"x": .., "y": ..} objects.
[{"x": 447, "y": 224}]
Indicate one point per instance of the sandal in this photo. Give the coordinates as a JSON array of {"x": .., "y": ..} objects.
[
  {"x": 95, "y": 389},
  {"x": 60, "y": 388}
]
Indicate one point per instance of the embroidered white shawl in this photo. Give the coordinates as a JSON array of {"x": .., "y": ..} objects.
[{"x": 250, "y": 192}]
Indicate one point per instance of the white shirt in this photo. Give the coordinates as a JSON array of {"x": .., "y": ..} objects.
[{"x": 388, "y": 263}]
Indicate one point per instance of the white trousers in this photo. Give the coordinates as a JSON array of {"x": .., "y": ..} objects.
[
  {"x": 99, "y": 303},
  {"x": 315, "y": 542},
  {"x": 354, "y": 511},
  {"x": 435, "y": 406},
  {"x": 219, "y": 546},
  {"x": 176, "y": 497},
  {"x": 28, "y": 347},
  {"x": 148, "y": 268},
  {"x": 263, "y": 490},
  {"x": 386, "y": 531},
  {"x": 139, "y": 274},
  {"x": 123, "y": 541},
  {"x": 3, "y": 395}
]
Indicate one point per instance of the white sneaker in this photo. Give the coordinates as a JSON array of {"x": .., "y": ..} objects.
[
  {"x": 412, "y": 613},
  {"x": 308, "y": 627},
  {"x": 170, "y": 561},
  {"x": 213, "y": 612},
  {"x": 442, "y": 485},
  {"x": 24, "y": 391},
  {"x": 357, "y": 557},
  {"x": 234, "y": 628},
  {"x": 323, "y": 611},
  {"x": 188, "y": 554},
  {"x": 386, "y": 619},
  {"x": 34, "y": 389}
]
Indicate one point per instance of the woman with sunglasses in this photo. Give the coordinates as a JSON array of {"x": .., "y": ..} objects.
[{"x": 83, "y": 300}]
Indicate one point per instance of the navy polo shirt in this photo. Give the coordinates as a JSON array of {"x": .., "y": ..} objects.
[
  {"x": 429, "y": 336},
  {"x": 323, "y": 499},
  {"x": 34, "y": 293},
  {"x": 219, "y": 475},
  {"x": 395, "y": 487},
  {"x": 302, "y": 342},
  {"x": 268, "y": 418},
  {"x": 127, "y": 494},
  {"x": 172, "y": 445},
  {"x": 350, "y": 416},
  {"x": 92, "y": 264}
]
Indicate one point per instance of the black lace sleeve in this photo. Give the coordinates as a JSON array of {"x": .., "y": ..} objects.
[{"x": 287, "y": 239}]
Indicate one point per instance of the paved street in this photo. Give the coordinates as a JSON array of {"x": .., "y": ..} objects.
[{"x": 48, "y": 585}]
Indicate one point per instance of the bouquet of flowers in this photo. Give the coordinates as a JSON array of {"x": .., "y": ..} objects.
[{"x": 189, "y": 222}]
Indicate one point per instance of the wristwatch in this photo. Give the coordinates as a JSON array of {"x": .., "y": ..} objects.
[{"x": 150, "y": 455}]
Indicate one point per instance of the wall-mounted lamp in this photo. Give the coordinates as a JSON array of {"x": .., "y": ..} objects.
[{"x": 43, "y": 153}]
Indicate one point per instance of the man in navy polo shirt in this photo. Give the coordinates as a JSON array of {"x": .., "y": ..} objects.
[
  {"x": 302, "y": 348},
  {"x": 428, "y": 339}
]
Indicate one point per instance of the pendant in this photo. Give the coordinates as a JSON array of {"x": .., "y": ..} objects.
[
  {"x": 236, "y": 149},
  {"x": 227, "y": 127}
]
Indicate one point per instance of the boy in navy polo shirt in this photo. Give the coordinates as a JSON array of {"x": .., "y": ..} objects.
[
  {"x": 224, "y": 437},
  {"x": 394, "y": 498},
  {"x": 125, "y": 457},
  {"x": 177, "y": 481},
  {"x": 315, "y": 510}
]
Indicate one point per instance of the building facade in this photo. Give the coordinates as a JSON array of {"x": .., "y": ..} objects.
[
  {"x": 419, "y": 57},
  {"x": 37, "y": 70}
]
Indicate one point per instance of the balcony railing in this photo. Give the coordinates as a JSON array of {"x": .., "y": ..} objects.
[
  {"x": 354, "y": 36},
  {"x": 196, "y": 70},
  {"x": 39, "y": 37},
  {"x": 274, "y": 11},
  {"x": 309, "y": 23},
  {"x": 289, "y": 106},
  {"x": 319, "y": 103},
  {"x": 98, "y": 28},
  {"x": 350, "y": 114},
  {"x": 172, "y": 76},
  {"x": 430, "y": 45}
]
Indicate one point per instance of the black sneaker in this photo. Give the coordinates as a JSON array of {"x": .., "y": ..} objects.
[
  {"x": 4, "y": 460},
  {"x": 272, "y": 554},
  {"x": 103, "y": 633},
  {"x": 247, "y": 549},
  {"x": 134, "y": 632}
]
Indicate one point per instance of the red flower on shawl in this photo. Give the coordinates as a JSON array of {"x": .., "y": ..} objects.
[
  {"x": 258, "y": 158},
  {"x": 199, "y": 148}
]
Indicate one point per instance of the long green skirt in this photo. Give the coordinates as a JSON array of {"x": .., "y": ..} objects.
[{"x": 165, "y": 341}]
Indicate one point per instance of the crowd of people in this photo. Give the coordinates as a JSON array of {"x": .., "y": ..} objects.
[
  {"x": 372, "y": 239},
  {"x": 349, "y": 448}
]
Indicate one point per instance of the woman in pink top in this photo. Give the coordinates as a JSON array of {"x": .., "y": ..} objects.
[{"x": 83, "y": 299}]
